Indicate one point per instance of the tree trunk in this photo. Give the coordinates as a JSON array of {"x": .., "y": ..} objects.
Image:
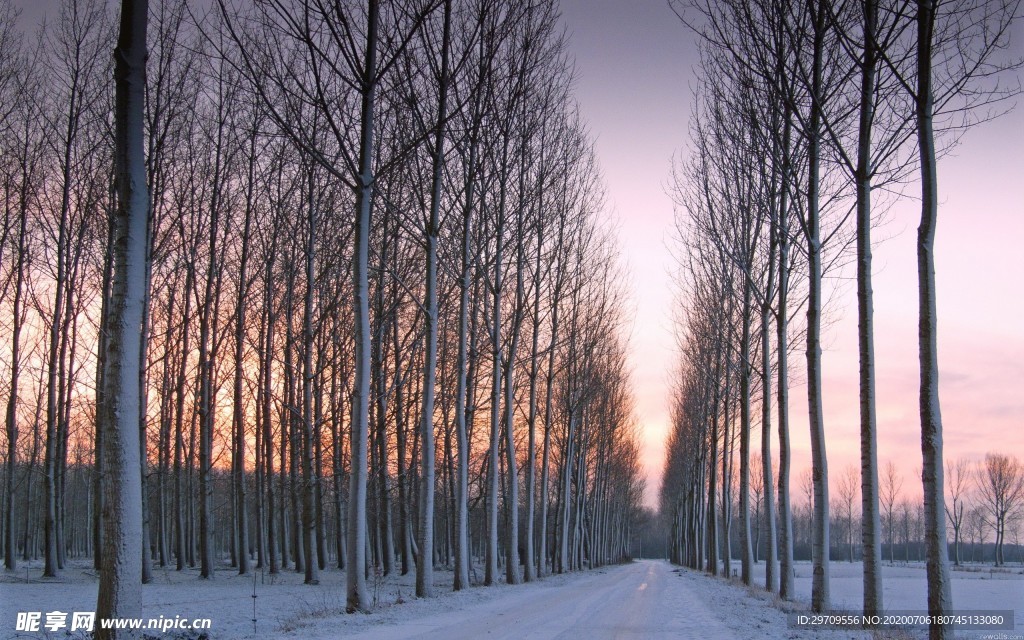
[
  {"x": 462, "y": 551},
  {"x": 787, "y": 572},
  {"x": 820, "y": 600},
  {"x": 268, "y": 436},
  {"x": 425, "y": 561},
  {"x": 181, "y": 544},
  {"x": 356, "y": 596},
  {"x": 746, "y": 549},
  {"x": 871, "y": 524},
  {"x": 771, "y": 582},
  {"x": 491, "y": 573},
  {"x": 310, "y": 482},
  {"x": 940, "y": 601},
  {"x": 10, "y": 561},
  {"x": 119, "y": 594},
  {"x": 238, "y": 451},
  {"x": 529, "y": 562},
  {"x": 97, "y": 472},
  {"x": 712, "y": 518}
]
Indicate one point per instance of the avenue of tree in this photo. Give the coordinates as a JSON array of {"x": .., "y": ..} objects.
[
  {"x": 378, "y": 308},
  {"x": 808, "y": 116}
]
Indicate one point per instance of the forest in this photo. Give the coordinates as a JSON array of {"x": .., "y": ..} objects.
[
  {"x": 812, "y": 120},
  {"x": 381, "y": 313},
  {"x": 303, "y": 295}
]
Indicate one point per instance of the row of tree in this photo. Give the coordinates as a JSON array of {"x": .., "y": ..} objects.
[
  {"x": 807, "y": 114},
  {"x": 381, "y": 309},
  {"x": 984, "y": 511}
]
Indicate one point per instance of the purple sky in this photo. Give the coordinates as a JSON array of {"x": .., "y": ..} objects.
[{"x": 635, "y": 64}]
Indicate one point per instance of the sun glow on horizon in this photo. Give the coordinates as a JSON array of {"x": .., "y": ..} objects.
[{"x": 637, "y": 102}]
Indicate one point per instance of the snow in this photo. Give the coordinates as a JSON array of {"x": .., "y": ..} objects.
[
  {"x": 286, "y": 608},
  {"x": 975, "y": 586},
  {"x": 644, "y": 599}
]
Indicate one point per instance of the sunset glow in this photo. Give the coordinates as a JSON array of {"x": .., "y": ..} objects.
[{"x": 637, "y": 101}]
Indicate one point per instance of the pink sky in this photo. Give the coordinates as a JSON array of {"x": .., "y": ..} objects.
[
  {"x": 635, "y": 66},
  {"x": 635, "y": 72}
]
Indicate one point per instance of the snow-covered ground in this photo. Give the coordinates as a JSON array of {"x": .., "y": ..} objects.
[
  {"x": 904, "y": 588},
  {"x": 641, "y": 600},
  {"x": 646, "y": 599},
  {"x": 285, "y": 607}
]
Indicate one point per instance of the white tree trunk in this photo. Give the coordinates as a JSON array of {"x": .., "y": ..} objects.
[
  {"x": 310, "y": 484},
  {"x": 940, "y": 601},
  {"x": 355, "y": 581},
  {"x": 746, "y": 550},
  {"x": 871, "y": 524},
  {"x": 425, "y": 564},
  {"x": 820, "y": 600},
  {"x": 119, "y": 593}
]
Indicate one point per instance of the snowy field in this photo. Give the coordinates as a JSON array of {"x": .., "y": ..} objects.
[
  {"x": 904, "y": 588},
  {"x": 646, "y": 599}
]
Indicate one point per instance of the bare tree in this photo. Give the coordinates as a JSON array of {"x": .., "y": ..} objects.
[
  {"x": 977, "y": 525},
  {"x": 890, "y": 486},
  {"x": 940, "y": 600},
  {"x": 977, "y": 31},
  {"x": 757, "y": 492},
  {"x": 79, "y": 66},
  {"x": 119, "y": 595},
  {"x": 848, "y": 490},
  {"x": 21, "y": 183},
  {"x": 1000, "y": 483},
  {"x": 425, "y": 560},
  {"x": 254, "y": 114},
  {"x": 958, "y": 475}
]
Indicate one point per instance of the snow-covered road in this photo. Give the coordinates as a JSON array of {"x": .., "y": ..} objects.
[
  {"x": 641, "y": 600},
  {"x": 645, "y": 599}
]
